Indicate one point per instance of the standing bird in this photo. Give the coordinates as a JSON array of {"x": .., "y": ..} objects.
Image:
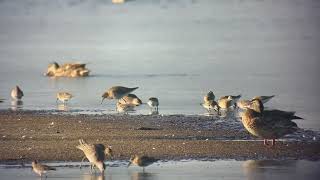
[
  {"x": 209, "y": 97},
  {"x": 130, "y": 99},
  {"x": 211, "y": 105},
  {"x": 94, "y": 153},
  {"x": 124, "y": 108},
  {"x": 100, "y": 147},
  {"x": 64, "y": 97},
  {"x": 142, "y": 161},
  {"x": 242, "y": 104},
  {"x": 117, "y": 92},
  {"x": 231, "y": 97},
  {"x": 263, "y": 99},
  {"x": 16, "y": 93},
  {"x": 268, "y": 124},
  {"x": 225, "y": 103},
  {"x": 40, "y": 168},
  {"x": 257, "y": 106},
  {"x": 153, "y": 102}
]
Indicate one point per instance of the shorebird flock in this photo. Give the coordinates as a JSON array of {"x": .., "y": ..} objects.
[
  {"x": 266, "y": 124},
  {"x": 96, "y": 154}
]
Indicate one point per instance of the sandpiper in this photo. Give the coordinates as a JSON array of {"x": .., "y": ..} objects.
[
  {"x": 117, "y": 92},
  {"x": 64, "y": 97},
  {"x": 231, "y": 97},
  {"x": 242, "y": 104},
  {"x": 209, "y": 97},
  {"x": 210, "y": 105},
  {"x": 142, "y": 161},
  {"x": 225, "y": 103},
  {"x": 95, "y": 154},
  {"x": 130, "y": 99},
  {"x": 124, "y": 108},
  {"x": 153, "y": 102},
  {"x": 16, "y": 93},
  {"x": 263, "y": 99},
  {"x": 267, "y": 124},
  {"x": 100, "y": 148},
  {"x": 41, "y": 169}
]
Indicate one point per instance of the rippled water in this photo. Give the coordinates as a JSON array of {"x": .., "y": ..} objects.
[
  {"x": 174, "y": 50},
  {"x": 187, "y": 169}
]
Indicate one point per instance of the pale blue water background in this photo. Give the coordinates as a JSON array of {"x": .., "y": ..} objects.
[
  {"x": 175, "y": 50},
  {"x": 172, "y": 170}
]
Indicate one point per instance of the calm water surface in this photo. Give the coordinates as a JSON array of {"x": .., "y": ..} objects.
[
  {"x": 251, "y": 169},
  {"x": 174, "y": 50}
]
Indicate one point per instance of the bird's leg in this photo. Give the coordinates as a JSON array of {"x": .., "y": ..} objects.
[
  {"x": 90, "y": 168},
  {"x": 273, "y": 142},
  {"x": 143, "y": 169},
  {"x": 82, "y": 161},
  {"x": 265, "y": 142}
]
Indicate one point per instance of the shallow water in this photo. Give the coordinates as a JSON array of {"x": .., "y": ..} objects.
[
  {"x": 186, "y": 169},
  {"x": 174, "y": 50}
]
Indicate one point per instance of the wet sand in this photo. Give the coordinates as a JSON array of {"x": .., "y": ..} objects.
[{"x": 28, "y": 135}]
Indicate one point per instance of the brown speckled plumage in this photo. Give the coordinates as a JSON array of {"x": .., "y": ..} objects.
[{"x": 266, "y": 124}]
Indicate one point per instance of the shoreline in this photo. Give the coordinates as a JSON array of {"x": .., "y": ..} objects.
[{"x": 28, "y": 135}]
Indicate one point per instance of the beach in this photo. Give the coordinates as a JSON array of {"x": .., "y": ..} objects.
[{"x": 29, "y": 135}]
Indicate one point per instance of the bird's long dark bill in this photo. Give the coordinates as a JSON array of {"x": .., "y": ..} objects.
[
  {"x": 102, "y": 100},
  {"x": 129, "y": 164}
]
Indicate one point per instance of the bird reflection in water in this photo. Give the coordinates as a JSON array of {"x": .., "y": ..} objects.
[
  {"x": 16, "y": 105},
  {"x": 98, "y": 176},
  {"x": 142, "y": 176},
  {"x": 264, "y": 169},
  {"x": 63, "y": 107}
]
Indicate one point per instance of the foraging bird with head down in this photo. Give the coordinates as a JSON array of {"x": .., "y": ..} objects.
[
  {"x": 233, "y": 99},
  {"x": 211, "y": 105},
  {"x": 40, "y": 168},
  {"x": 130, "y": 99},
  {"x": 95, "y": 153},
  {"x": 124, "y": 108},
  {"x": 100, "y": 148},
  {"x": 117, "y": 92},
  {"x": 142, "y": 161}
]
